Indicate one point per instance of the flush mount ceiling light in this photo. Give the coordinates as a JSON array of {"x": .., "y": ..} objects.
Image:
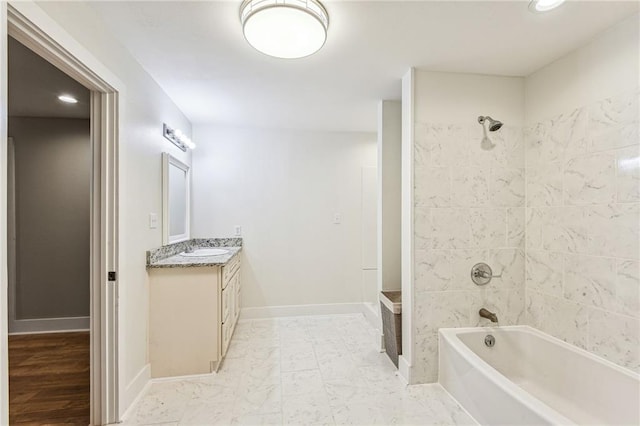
[
  {"x": 284, "y": 28},
  {"x": 544, "y": 5},
  {"x": 68, "y": 99}
]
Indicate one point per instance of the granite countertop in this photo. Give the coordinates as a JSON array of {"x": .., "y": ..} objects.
[
  {"x": 179, "y": 261},
  {"x": 169, "y": 256}
]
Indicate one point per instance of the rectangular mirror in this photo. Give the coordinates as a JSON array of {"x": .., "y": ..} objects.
[{"x": 176, "y": 187}]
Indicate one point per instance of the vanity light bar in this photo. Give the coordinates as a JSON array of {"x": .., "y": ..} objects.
[{"x": 177, "y": 138}]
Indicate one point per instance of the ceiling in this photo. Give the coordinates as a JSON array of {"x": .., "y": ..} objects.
[
  {"x": 197, "y": 53},
  {"x": 35, "y": 84}
]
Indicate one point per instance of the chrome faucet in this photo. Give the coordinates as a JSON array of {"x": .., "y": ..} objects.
[{"x": 488, "y": 315}]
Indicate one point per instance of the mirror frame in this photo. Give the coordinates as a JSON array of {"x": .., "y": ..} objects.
[{"x": 167, "y": 161}]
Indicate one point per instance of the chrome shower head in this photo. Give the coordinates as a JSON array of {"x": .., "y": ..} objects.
[{"x": 493, "y": 124}]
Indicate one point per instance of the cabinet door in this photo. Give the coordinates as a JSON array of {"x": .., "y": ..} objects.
[
  {"x": 227, "y": 329},
  {"x": 237, "y": 296},
  {"x": 227, "y": 303},
  {"x": 231, "y": 289}
]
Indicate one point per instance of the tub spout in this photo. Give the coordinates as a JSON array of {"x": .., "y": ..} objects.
[{"x": 488, "y": 315}]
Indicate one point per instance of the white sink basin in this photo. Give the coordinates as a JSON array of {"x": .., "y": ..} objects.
[{"x": 205, "y": 252}]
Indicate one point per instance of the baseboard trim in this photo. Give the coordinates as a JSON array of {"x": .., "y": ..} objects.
[
  {"x": 178, "y": 378},
  {"x": 136, "y": 390},
  {"x": 300, "y": 310},
  {"x": 404, "y": 368},
  {"x": 370, "y": 312},
  {"x": 49, "y": 325}
]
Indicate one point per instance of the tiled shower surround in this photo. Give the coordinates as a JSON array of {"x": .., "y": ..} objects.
[
  {"x": 583, "y": 235},
  {"x": 573, "y": 183},
  {"x": 469, "y": 208}
]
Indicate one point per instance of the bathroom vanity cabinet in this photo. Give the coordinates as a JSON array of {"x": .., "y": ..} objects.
[
  {"x": 193, "y": 312},
  {"x": 230, "y": 295}
]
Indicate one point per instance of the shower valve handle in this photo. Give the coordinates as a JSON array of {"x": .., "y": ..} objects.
[{"x": 481, "y": 274}]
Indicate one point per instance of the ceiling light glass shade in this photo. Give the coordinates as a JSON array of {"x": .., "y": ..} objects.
[
  {"x": 68, "y": 99},
  {"x": 544, "y": 5},
  {"x": 285, "y": 28}
]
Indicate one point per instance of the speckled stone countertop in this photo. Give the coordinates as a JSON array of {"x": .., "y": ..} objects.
[{"x": 169, "y": 256}]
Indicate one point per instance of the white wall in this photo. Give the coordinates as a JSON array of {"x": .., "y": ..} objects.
[
  {"x": 283, "y": 188},
  {"x": 389, "y": 189},
  {"x": 468, "y": 206},
  {"x": 143, "y": 109},
  {"x": 52, "y": 182},
  {"x": 583, "y": 196},
  {"x": 369, "y": 244},
  {"x": 606, "y": 66}
]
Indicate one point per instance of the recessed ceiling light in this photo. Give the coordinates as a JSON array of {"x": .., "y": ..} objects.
[
  {"x": 284, "y": 28},
  {"x": 544, "y": 5},
  {"x": 68, "y": 99}
]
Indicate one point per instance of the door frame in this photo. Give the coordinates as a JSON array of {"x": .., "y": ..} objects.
[
  {"x": 105, "y": 110},
  {"x": 11, "y": 229}
]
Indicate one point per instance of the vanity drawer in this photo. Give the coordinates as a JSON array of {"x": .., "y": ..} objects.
[{"x": 229, "y": 270}]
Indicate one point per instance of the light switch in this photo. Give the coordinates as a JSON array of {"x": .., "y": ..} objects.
[
  {"x": 337, "y": 218},
  {"x": 238, "y": 229},
  {"x": 153, "y": 221}
]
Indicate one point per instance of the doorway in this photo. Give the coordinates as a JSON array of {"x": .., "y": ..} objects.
[
  {"x": 48, "y": 203},
  {"x": 104, "y": 91}
]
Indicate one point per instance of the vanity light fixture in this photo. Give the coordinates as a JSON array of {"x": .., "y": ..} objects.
[
  {"x": 539, "y": 6},
  {"x": 287, "y": 29},
  {"x": 67, "y": 99},
  {"x": 178, "y": 138}
]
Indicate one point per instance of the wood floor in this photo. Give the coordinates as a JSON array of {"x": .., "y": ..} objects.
[{"x": 49, "y": 379}]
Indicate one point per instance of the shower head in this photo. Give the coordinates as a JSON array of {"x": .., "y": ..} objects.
[{"x": 493, "y": 124}]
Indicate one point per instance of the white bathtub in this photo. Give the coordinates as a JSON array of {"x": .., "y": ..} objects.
[{"x": 531, "y": 378}]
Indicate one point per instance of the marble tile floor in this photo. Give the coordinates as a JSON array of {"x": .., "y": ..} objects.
[{"x": 315, "y": 370}]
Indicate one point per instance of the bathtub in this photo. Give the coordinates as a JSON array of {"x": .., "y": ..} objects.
[{"x": 531, "y": 378}]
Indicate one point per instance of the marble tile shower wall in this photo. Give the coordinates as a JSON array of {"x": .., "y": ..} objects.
[
  {"x": 582, "y": 236},
  {"x": 469, "y": 208}
]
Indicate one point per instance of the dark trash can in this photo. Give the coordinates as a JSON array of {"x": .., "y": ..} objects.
[{"x": 391, "y": 308}]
